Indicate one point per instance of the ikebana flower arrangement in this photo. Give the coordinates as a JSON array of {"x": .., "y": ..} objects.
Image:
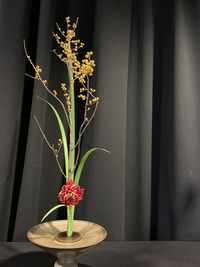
[{"x": 79, "y": 72}]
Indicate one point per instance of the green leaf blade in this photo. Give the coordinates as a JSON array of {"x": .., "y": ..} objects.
[
  {"x": 63, "y": 135},
  {"x": 83, "y": 160},
  {"x": 53, "y": 209}
]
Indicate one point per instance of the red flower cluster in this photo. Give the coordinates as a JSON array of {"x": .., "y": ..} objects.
[{"x": 70, "y": 193}]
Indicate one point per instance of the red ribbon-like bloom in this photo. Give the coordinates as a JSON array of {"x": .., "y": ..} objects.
[{"x": 70, "y": 193}]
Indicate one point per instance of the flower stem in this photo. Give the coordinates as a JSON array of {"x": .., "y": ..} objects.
[
  {"x": 70, "y": 215},
  {"x": 72, "y": 120},
  {"x": 70, "y": 209}
]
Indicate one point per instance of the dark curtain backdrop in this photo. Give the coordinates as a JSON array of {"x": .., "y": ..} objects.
[{"x": 148, "y": 79}]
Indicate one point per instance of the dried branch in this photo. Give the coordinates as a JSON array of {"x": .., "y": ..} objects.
[
  {"x": 50, "y": 146},
  {"x": 86, "y": 121},
  {"x": 44, "y": 83},
  {"x": 62, "y": 32},
  {"x": 60, "y": 57}
]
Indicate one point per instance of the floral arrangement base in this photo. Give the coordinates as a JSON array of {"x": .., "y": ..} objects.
[{"x": 51, "y": 237}]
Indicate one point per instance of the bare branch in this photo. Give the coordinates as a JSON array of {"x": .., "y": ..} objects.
[
  {"x": 59, "y": 148},
  {"x": 44, "y": 136},
  {"x": 56, "y": 156},
  {"x": 87, "y": 89},
  {"x": 62, "y": 32},
  {"x": 54, "y": 51},
  {"x": 32, "y": 77},
  {"x": 86, "y": 125},
  {"x": 82, "y": 132},
  {"x": 50, "y": 146},
  {"x": 44, "y": 84}
]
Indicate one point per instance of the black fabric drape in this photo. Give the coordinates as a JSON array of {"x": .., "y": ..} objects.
[{"x": 147, "y": 78}]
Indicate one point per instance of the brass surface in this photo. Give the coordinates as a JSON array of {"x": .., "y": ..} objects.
[
  {"x": 62, "y": 237},
  {"x": 46, "y": 235}
]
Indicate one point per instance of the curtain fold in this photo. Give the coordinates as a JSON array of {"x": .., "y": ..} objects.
[
  {"x": 187, "y": 127},
  {"x": 12, "y": 68},
  {"x": 163, "y": 123},
  {"x": 139, "y": 123},
  {"x": 147, "y": 77},
  {"x": 35, "y": 177}
]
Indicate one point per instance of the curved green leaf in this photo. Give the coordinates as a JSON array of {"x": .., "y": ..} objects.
[
  {"x": 63, "y": 134},
  {"x": 83, "y": 160},
  {"x": 52, "y": 209}
]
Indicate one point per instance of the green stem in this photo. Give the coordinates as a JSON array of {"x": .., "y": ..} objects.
[
  {"x": 70, "y": 218},
  {"x": 70, "y": 209},
  {"x": 72, "y": 120}
]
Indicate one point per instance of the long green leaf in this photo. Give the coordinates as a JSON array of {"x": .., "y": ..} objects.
[
  {"x": 83, "y": 160},
  {"x": 63, "y": 134},
  {"x": 52, "y": 209}
]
